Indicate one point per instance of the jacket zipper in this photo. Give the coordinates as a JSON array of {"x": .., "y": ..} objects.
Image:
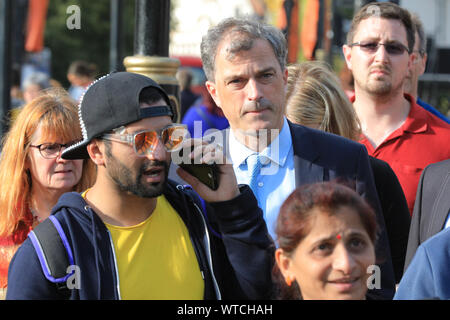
[
  {"x": 115, "y": 265},
  {"x": 208, "y": 252},
  {"x": 209, "y": 256}
]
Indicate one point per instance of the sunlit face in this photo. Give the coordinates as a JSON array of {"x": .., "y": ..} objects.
[
  {"x": 52, "y": 174},
  {"x": 249, "y": 86},
  {"x": 379, "y": 73},
  {"x": 143, "y": 176},
  {"x": 331, "y": 262}
]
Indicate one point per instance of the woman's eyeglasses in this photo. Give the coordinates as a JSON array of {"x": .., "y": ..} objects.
[
  {"x": 145, "y": 142},
  {"x": 393, "y": 48},
  {"x": 51, "y": 150}
]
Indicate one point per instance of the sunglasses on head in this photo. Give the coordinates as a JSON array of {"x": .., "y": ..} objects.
[
  {"x": 145, "y": 142},
  {"x": 394, "y": 48}
]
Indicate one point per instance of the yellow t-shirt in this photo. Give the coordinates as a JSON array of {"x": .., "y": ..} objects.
[{"x": 156, "y": 259}]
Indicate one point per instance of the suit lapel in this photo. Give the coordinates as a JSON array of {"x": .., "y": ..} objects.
[
  {"x": 307, "y": 172},
  {"x": 305, "y": 154}
]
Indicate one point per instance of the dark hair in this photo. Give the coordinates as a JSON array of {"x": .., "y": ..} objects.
[
  {"x": 83, "y": 69},
  {"x": 151, "y": 95},
  {"x": 184, "y": 77},
  {"x": 385, "y": 10},
  {"x": 148, "y": 95},
  {"x": 293, "y": 222}
]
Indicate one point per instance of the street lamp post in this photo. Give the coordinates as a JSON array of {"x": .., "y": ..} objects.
[
  {"x": 5, "y": 62},
  {"x": 151, "y": 48},
  {"x": 115, "y": 52}
]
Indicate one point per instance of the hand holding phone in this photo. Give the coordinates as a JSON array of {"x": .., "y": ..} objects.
[
  {"x": 206, "y": 173},
  {"x": 209, "y": 174}
]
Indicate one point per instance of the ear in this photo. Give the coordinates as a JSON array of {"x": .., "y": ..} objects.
[
  {"x": 284, "y": 263},
  {"x": 423, "y": 64},
  {"x": 285, "y": 76},
  {"x": 96, "y": 150},
  {"x": 211, "y": 86},
  {"x": 411, "y": 61},
  {"x": 347, "y": 55}
]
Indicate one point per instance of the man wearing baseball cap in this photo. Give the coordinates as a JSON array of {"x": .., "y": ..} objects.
[{"x": 135, "y": 234}]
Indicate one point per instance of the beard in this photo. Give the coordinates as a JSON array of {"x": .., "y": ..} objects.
[
  {"x": 130, "y": 182},
  {"x": 382, "y": 85},
  {"x": 379, "y": 87}
]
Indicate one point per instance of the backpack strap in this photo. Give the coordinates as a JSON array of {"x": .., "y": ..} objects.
[{"x": 53, "y": 251}]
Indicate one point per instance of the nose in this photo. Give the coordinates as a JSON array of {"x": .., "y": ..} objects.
[
  {"x": 158, "y": 152},
  {"x": 254, "y": 92},
  {"x": 381, "y": 54},
  {"x": 58, "y": 156},
  {"x": 343, "y": 260}
]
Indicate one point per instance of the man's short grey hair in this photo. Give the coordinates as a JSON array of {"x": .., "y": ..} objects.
[
  {"x": 38, "y": 78},
  {"x": 243, "y": 32},
  {"x": 420, "y": 31}
]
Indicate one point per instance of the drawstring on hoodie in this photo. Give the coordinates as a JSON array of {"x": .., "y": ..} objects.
[
  {"x": 209, "y": 262},
  {"x": 97, "y": 267}
]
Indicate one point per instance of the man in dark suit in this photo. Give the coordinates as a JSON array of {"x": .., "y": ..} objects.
[
  {"x": 432, "y": 207},
  {"x": 244, "y": 62}
]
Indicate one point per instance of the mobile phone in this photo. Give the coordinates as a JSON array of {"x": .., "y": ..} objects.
[{"x": 208, "y": 174}]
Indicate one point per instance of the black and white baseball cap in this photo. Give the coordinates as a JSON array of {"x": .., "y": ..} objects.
[{"x": 110, "y": 102}]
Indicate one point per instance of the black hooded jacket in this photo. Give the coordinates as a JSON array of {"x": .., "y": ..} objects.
[{"x": 230, "y": 239}]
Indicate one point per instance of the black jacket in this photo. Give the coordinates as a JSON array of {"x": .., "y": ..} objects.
[
  {"x": 395, "y": 212},
  {"x": 231, "y": 242}
]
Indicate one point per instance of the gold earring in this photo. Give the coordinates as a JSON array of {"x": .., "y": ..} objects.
[{"x": 289, "y": 280}]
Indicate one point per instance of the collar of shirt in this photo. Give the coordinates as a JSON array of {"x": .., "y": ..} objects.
[
  {"x": 416, "y": 121},
  {"x": 447, "y": 222},
  {"x": 277, "y": 151}
]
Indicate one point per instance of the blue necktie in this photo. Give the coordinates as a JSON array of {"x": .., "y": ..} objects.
[{"x": 254, "y": 167}]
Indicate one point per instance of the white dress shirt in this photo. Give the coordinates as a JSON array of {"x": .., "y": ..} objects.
[{"x": 277, "y": 177}]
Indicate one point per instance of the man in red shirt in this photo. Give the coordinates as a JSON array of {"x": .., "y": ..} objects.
[{"x": 379, "y": 52}]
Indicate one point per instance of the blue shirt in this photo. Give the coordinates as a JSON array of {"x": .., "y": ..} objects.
[
  {"x": 199, "y": 119},
  {"x": 76, "y": 92},
  {"x": 277, "y": 177},
  {"x": 434, "y": 111},
  {"x": 427, "y": 276}
]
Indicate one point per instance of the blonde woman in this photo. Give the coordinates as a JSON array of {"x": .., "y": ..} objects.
[
  {"x": 32, "y": 173},
  {"x": 316, "y": 99}
]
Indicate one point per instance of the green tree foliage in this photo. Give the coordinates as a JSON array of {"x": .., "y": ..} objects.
[{"x": 91, "y": 42}]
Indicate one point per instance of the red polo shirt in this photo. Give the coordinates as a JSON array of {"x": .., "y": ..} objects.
[{"x": 421, "y": 140}]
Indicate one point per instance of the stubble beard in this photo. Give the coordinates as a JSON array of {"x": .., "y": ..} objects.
[
  {"x": 381, "y": 88},
  {"x": 125, "y": 181},
  {"x": 378, "y": 87}
]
